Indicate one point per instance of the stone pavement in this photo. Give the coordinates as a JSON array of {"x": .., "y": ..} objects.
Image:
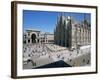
[{"x": 35, "y": 55}]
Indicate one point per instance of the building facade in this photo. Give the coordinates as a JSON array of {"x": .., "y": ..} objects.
[
  {"x": 35, "y": 36},
  {"x": 70, "y": 33}
]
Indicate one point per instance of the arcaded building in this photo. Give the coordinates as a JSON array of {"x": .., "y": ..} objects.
[
  {"x": 71, "y": 33},
  {"x": 35, "y": 36}
]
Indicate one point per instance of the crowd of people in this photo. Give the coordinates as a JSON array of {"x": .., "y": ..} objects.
[
  {"x": 40, "y": 54},
  {"x": 55, "y": 48}
]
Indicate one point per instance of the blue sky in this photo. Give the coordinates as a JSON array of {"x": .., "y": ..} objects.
[{"x": 45, "y": 21}]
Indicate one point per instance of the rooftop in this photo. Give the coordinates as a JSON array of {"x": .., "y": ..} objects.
[{"x": 33, "y": 30}]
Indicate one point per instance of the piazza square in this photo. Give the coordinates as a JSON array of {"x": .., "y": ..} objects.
[{"x": 70, "y": 43}]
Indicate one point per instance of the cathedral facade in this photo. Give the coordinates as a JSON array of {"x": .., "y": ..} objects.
[{"x": 71, "y": 33}]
